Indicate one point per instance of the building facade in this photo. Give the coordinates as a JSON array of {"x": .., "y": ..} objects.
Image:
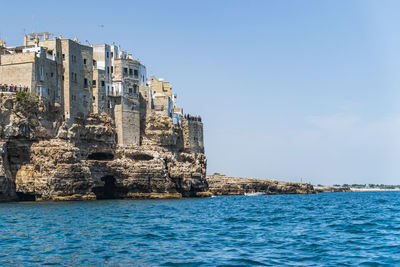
[{"x": 83, "y": 79}]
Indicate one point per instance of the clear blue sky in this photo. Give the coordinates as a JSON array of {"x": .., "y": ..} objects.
[{"x": 287, "y": 89}]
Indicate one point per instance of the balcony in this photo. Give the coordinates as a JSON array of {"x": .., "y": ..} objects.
[{"x": 114, "y": 93}]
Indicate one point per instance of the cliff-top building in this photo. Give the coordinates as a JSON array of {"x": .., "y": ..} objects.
[
  {"x": 83, "y": 79},
  {"x": 97, "y": 128}
]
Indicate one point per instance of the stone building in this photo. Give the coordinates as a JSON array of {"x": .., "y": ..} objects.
[
  {"x": 75, "y": 72},
  {"x": 99, "y": 78},
  {"x": 162, "y": 96},
  {"x": 123, "y": 78},
  {"x": 29, "y": 69}
]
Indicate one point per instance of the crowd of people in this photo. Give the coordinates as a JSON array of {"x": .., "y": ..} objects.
[
  {"x": 13, "y": 88},
  {"x": 192, "y": 118}
]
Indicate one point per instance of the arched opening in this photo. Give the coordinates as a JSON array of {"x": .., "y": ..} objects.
[
  {"x": 25, "y": 196},
  {"x": 141, "y": 157},
  {"x": 101, "y": 156},
  {"x": 108, "y": 190}
]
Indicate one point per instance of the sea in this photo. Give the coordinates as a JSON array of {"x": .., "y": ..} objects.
[{"x": 328, "y": 229}]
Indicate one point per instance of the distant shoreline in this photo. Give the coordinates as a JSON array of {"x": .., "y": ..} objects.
[{"x": 372, "y": 189}]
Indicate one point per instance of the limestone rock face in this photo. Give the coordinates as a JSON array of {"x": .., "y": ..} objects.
[
  {"x": 43, "y": 157},
  {"x": 224, "y": 185},
  {"x": 332, "y": 189}
]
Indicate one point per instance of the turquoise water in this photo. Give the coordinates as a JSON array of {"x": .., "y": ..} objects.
[{"x": 325, "y": 229}]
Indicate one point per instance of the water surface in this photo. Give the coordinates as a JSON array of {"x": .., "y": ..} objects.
[{"x": 361, "y": 228}]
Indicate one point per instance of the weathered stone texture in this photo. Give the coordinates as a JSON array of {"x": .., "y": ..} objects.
[
  {"x": 56, "y": 161},
  {"x": 224, "y": 185}
]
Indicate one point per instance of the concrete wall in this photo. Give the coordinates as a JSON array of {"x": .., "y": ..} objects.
[{"x": 193, "y": 136}]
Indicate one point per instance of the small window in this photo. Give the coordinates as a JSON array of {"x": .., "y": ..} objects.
[
  {"x": 63, "y": 56},
  {"x": 130, "y": 90},
  {"x": 112, "y": 69},
  {"x": 51, "y": 74},
  {"x": 85, "y": 83},
  {"x": 62, "y": 77},
  {"x": 125, "y": 71},
  {"x": 84, "y": 61},
  {"x": 112, "y": 54},
  {"x": 103, "y": 83},
  {"x": 136, "y": 73},
  {"x": 108, "y": 70},
  {"x": 107, "y": 54},
  {"x": 94, "y": 83},
  {"x": 130, "y": 72}
]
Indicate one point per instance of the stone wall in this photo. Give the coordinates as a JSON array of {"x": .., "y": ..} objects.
[
  {"x": 193, "y": 136},
  {"x": 99, "y": 92},
  {"x": 127, "y": 118},
  {"x": 17, "y": 74}
]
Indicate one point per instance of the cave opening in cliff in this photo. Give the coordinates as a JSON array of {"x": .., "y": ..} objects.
[
  {"x": 141, "y": 157},
  {"x": 101, "y": 156},
  {"x": 108, "y": 190},
  {"x": 25, "y": 196}
]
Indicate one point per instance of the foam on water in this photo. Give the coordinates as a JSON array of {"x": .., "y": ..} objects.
[{"x": 360, "y": 228}]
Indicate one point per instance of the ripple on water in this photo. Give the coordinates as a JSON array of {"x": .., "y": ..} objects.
[{"x": 336, "y": 229}]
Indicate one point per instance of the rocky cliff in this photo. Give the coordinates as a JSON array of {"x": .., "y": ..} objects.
[
  {"x": 224, "y": 185},
  {"x": 332, "y": 189},
  {"x": 43, "y": 157}
]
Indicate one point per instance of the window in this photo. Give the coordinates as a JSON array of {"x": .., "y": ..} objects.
[
  {"x": 41, "y": 74},
  {"x": 136, "y": 73},
  {"x": 112, "y": 54},
  {"x": 51, "y": 74},
  {"x": 108, "y": 70},
  {"x": 62, "y": 77},
  {"x": 73, "y": 58},
  {"x": 125, "y": 71},
  {"x": 94, "y": 83},
  {"x": 84, "y": 61},
  {"x": 130, "y": 90},
  {"x": 63, "y": 56},
  {"x": 107, "y": 54},
  {"x": 135, "y": 87},
  {"x": 85, "y": 83},
  {"x": 103, "y": 83},
  {"x": 130, "y": 72},
  {"x": 112, "y": 69}
]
